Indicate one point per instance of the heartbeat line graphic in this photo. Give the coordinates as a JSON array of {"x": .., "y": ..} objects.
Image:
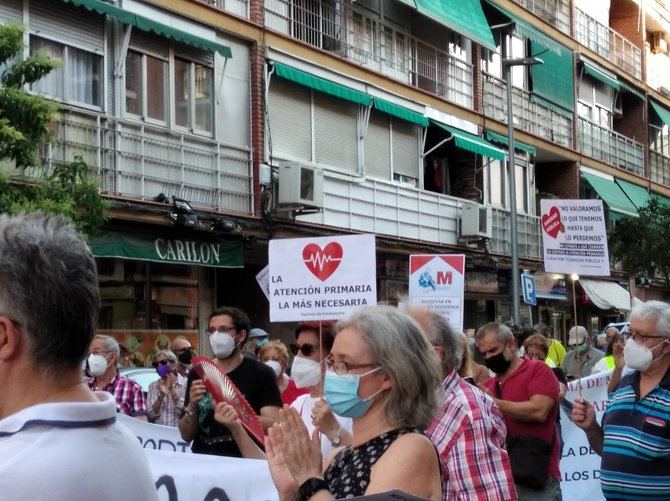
[{"x": 319, "y": 260}]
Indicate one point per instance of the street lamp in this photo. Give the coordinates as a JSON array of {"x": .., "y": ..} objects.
[{"x": 511, "y": 178}]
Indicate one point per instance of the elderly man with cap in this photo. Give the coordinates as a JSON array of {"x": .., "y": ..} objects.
[
  {"x": 257, "y": 338},
  {"x": 580, "y": 360}
]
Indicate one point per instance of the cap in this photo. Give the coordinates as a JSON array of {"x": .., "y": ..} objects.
[
  {"x": 257, "y": 332},
  {"x": 577, "y": 335}
]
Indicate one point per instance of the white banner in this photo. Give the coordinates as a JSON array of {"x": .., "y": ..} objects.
[
  {"x": 322, "y": 278},
  {"x": 580, "y": 465},
  {"x": 155, "y": 436},
  {"x": 574, "y": 237},
  {"x": 437, "y": 282},
  {"x": 263, "y": 279}
]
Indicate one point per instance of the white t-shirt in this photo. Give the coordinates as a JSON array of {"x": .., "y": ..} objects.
[
  {"x": 72, "y": 450},
  {"x": 304, "y": 405}
]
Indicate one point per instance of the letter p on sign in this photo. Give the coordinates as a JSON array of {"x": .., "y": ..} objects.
[{"x": 528, "y": 287}]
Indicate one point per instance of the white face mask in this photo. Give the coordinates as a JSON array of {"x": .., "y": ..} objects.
[
  {"x": 305, "y": 372},
  {"x": 275, "y": 366},
  {"x": 637, "y": 356},
  {"x": 97, "y": 365},
  {"x": 222, "y": 344}
]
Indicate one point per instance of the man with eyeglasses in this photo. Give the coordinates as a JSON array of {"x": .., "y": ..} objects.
[
  {"x": 634, "y": 437},
  {"x": 228, "y": 329},
  {"x": 166, "y": 395},
  {"x": 580, "y": 360},
  {"x": 102, "y": 365}
]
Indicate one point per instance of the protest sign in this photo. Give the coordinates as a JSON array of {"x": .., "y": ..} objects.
[
  {"x": 322, "y": 278},
  {"x": 574, "y": 237},
  {"x": 154, "y": 436},
  {"x": 263, "y": 279},
  {"x": 437, "y": 282}
]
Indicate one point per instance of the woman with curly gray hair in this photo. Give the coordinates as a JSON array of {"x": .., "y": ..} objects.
[{"x": 383, "y": 374}]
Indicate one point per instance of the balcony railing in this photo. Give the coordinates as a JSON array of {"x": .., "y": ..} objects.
[
  {"x": 529, "y": 115},
  {"x": 339, "y": 29},
  {"x": 139, "y": 161},
  {"x": 608, "y": 43},
  {"x": 610, "y": 147},
  {"x": 555, "y": 12},
  {"x": 386, "y": 208},
  {"x": 239, "y": 7},
  {"x": 659, "y": 168}
]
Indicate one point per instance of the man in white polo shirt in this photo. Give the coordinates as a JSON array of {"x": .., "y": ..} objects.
[{"x": 58, "y": 439}]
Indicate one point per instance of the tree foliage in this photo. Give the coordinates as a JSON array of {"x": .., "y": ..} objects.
[
  {"x": 25, "y": 127},
  {"x": 640, "y": 243}
]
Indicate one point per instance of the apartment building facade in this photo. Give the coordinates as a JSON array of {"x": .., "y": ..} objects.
[{"x": 390, "y": 116}]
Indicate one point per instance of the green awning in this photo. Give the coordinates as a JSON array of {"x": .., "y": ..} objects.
[
  {"x": 626, "y": 87},
  {"x": 662, "y": 112},
  {"x": 611, "y": 194},
  {"x": 518, "y": 145},
  {"x": 599, "y": 74},
  {"x": 637, "y": 194},
  {"x": 470, "y": 142},
  {"x": 552, "y": 106},
  {"x": 186, "y": 250},
  {"x": 525, "y": 30},
  {"x": 321, "y": 84},
  {"x": 554, "y": 79},
  {"x": 463, "y": 16},
  {"x": 399, "y": 112},
  {"x": 146, "y": 24}
]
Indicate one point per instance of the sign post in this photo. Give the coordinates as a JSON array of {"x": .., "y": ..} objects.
[{"x": 529, "y": 289}]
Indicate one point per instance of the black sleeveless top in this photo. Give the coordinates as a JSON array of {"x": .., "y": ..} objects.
[{"x": 348, "y": 475}]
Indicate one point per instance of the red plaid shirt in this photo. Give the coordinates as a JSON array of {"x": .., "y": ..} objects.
[
  {"x": 469, "y": 434},
  {"x": 129, "y": 396}
]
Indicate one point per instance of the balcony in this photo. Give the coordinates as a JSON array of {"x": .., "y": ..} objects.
[
  {"x": 606, "y": 42},
  {"x": 554, "y": 12},
  {"x": 238, "y": 7},
  {"x": 610, "y": 147},
  {"x": 659, "y": 168},
  {"x": 139, "y": 161},
  {"x": 529, "y": 115},
  {"x": 339, "y": 29},
  {"x": 386, "y": 208}
]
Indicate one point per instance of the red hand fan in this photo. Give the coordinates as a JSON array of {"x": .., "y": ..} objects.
[{"x": 223, "y": 390}]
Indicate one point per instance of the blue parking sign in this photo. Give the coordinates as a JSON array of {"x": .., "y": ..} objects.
[{"x": 528, "y": 287}]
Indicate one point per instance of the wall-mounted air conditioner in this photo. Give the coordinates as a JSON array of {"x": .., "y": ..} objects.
[
  {"x": 657, "y": 43},
  {"x": 300, "y": 186},
  {"x": 476, "y": 220}
]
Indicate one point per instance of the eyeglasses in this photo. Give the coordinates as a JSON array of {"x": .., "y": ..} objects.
[
  {"x": 637, "y": 335},
  {"x": 343, "y": 368},
  {"x": 306, "y": 349},
  {"x": 221, "y": 328},
  {"x": 161, "y": 362}
]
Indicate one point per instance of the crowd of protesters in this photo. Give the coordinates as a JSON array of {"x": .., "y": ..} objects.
[{"x": 387, "y": 398}]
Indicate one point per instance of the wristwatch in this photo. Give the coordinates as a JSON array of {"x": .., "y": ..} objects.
[
  {"x": 337, "y": 439},
  {"x": 311, "y": 486}
]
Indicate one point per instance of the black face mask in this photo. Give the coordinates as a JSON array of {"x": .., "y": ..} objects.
[
  {"x": 186, "y": 357},
  {"x": 498, "y": 363}
]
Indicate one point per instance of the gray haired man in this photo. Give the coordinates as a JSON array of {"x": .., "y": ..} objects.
[{"x": 56, "y": 435}]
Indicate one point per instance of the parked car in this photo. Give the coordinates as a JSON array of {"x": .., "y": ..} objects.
[
  {"x": 622, "y": 327},
  {"x": 141, "y": 375}
]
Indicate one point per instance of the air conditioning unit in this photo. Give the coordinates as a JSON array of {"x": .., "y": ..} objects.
[
  {"x": 300, "y": 187},
  {"x": 657, "y": 43},
  {"x": 476, "y": 220}
]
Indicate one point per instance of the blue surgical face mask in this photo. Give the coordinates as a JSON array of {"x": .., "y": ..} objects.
[{"x": 341, "y": 392}]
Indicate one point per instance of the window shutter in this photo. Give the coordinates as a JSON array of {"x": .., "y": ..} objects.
[
  {"x": 290, "y": 120},
  {"x": 67, "y": 24},
  {"x": 405, "y": 148},
  {"x": 336, "y": 132},
  {"x": 142, "y": 41},
  {"x": 378, "y": 146},
  {"x": 11, "y": 10}
]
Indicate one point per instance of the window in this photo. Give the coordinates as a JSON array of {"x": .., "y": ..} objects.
[
  {"x": 595, "y": 102},
  {"x": 78, "y": 80},
  {"x": 193, "y": 95},
  {"x": 584, "y": 110},
  {"x": 497, "y": 183},
  {"x": 145, "y": 86}
]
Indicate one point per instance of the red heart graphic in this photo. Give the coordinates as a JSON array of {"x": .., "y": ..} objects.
[
  {"x": 551, "y": 223},
  {"x": 322, "y": 262}
]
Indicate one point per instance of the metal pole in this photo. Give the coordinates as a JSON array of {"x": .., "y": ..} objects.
[{"x": 511, "y": 179}]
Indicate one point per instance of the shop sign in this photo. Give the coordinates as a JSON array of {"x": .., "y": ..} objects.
[
  {"x": 321, "y": 278},
  {"x": 574, "y": 237},
  {"x": 485, "y": 282},
  {"x": 437, "y": 281},
  {"x": 551, "y": 286},
  {"x": 168, "y": 250}
]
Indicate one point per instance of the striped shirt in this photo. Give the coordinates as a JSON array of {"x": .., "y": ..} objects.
[
  {"x": 469, "y": 435},
  {"x": 129, "y": 397},
  {"x": 636, "y": 447},
  {"x": 170, "y": 409}
]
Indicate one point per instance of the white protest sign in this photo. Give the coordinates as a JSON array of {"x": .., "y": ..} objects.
[
  {"x": 321, "y": 278},
  {"x": 437, "y": 281},
  {"x": 574, "y": 237},
  {"x": 154, "y": 436},
  {"x": 580, "y": 465},
  {"x": 263, "y": 279}
]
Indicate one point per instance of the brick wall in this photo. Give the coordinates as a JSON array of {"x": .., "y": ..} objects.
[
  {"x": 257, "y": 65},
  {"x": 557, "y": 178},
  {"x": 624, "y": 20},
  {"x": 632, "y": 124}
]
